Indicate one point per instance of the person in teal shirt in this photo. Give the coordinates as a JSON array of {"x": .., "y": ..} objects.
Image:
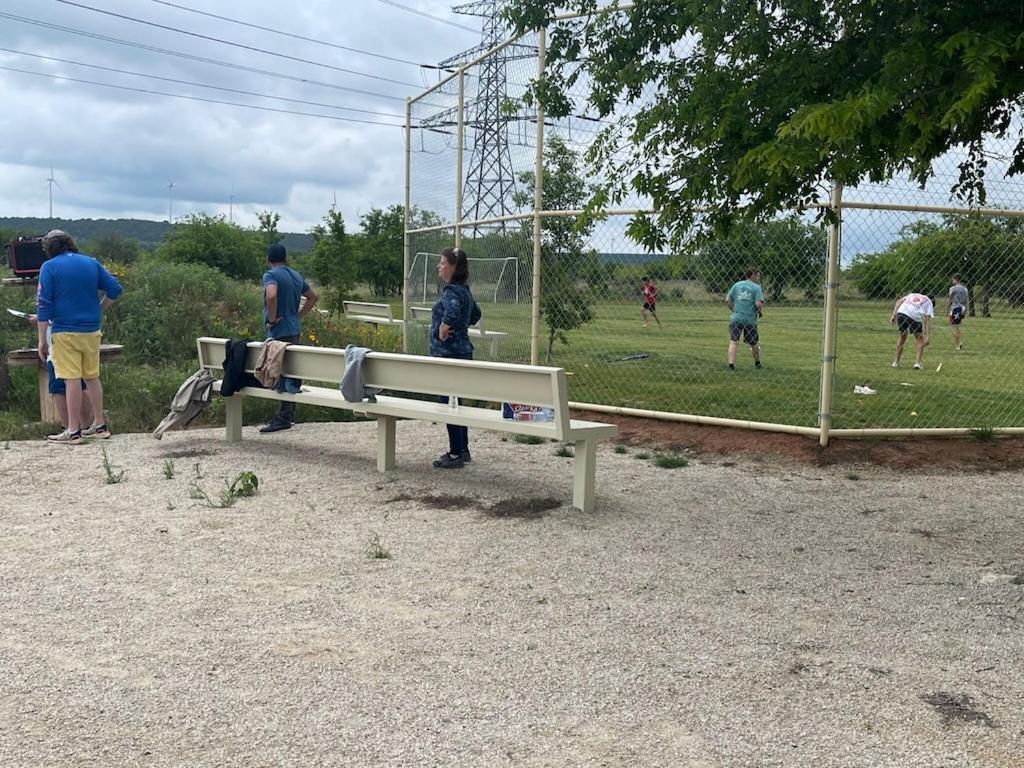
[{"x": 746, "y": 300}]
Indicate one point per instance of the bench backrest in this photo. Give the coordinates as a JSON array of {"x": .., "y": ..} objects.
[
  {"x": 367, "y": 308},
  {"x": 470, "y": 379}
]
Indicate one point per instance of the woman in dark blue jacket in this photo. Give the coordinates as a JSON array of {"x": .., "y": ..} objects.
[{"x": 450, "y": 319}]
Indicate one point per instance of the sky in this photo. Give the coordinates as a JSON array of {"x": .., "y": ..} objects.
[{"x": 115, "y": 152}]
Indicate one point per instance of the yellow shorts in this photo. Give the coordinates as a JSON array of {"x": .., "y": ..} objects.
[{"x": 76, "y": 355}]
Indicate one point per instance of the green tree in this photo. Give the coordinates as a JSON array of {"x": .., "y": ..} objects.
[
  {"x": 111, "y": 247},
  {"x": 988, "y": 253},
  {"x": 746, "y": 108},
  {"x": 788, "y": 252},
  {"x": 567, "y": 267},
  {"x": 268, "y": 221},
  {"x": 379, "y": 248},
  {"x": 211, "y": 240},
  {"x": 332, "y": 260}
]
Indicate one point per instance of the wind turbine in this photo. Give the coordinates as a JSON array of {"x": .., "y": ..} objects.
[
  {"x": 231, "y": 207},
  {"x": 51, "y": 180},
  {"x": 170, "y": 201}
]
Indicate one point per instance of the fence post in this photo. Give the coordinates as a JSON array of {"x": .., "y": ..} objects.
[
  {"x": 538, "y": 206},
  {"x": 460, "y": 131},
  {"x": 828, "y": 346},
  {"x": 405, "y": 233}
]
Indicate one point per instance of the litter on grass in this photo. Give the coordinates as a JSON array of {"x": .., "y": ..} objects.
[{"x": 864, "y": 390}]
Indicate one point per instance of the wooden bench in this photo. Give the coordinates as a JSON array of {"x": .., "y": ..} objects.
[
  {"x": 467, "y": 379},
  {"x": 421, "y": 315},
  {"x": 368, "y": 312}
]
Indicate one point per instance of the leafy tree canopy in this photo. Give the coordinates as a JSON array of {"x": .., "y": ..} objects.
[
  {"x": 746, "y": 107},
  {"x": 210, "y": 240}
]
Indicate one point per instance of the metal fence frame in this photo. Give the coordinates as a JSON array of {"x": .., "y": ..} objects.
[{"x": 823, "y": 431}]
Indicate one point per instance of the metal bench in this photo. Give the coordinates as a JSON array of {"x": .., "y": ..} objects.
[
  {"x": 369, "y": 312},
  {"x": 466, "y": 379}
]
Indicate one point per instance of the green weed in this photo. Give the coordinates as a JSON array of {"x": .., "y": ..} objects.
[
  {"x": 114, "y": 474},
  {"x": 620, "y": 448},
  {"x": 670, "y": 461},
  {"x": 169, "y": 469},
  {"x": 642, "y": 456},
  {"x": 246, "y": 484},
  {"x": 565, "y": 451},
  {"x": 529, "y": 439},
  {"x": 983, "y": 435},
  {"x": 375, "y": 550},
  {"x": 852, "y": 476}
]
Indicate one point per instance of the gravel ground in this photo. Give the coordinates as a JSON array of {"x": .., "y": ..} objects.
[{"x": 727, "y": 613}]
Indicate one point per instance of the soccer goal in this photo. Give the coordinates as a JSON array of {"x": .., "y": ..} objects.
[{"x": 494, "y": 280}]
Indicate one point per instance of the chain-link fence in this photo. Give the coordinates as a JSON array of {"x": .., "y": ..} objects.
[{"x": 652, "y": 334}]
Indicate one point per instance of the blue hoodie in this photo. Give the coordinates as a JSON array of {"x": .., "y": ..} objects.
[
  {"x": 458, "y": 310},
  {"x": 67, "y": 296}
]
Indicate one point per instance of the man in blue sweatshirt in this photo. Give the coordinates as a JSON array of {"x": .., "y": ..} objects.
[{"x": 68, "y": 304}]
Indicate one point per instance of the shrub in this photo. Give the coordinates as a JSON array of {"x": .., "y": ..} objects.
[
  {"x": 214, "y": 242},
  {"x": 166, "y": 306}
]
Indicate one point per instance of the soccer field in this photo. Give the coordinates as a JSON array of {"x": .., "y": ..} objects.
[{"x": 682, "y": 367}]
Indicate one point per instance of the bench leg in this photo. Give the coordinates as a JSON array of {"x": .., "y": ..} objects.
[
  {"x": 584, "y": 467},
  {"x": 233, "y": 417},
  {"x": 385, "y": 443}
]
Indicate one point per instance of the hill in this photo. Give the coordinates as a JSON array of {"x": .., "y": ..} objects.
[{"x": 149, "y": 233}]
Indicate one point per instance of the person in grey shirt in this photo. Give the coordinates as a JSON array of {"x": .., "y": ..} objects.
[{"x": 956, "y": 310}]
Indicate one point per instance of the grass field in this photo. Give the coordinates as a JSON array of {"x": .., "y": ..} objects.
[{"x": 684, "y": 365}]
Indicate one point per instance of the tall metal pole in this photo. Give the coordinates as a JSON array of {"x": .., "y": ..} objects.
[
  {"x": 828, "y": 347},
  {"x": 405, "y": 234},
  {"x": 538, "y": 206},
  {"x": 459, "y": 148}
]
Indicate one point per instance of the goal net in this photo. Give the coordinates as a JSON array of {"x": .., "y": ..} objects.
[{"x": 493, "y": 280}]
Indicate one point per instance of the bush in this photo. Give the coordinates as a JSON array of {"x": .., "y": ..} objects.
[
  {"x": 212, "y": 241},
  {"x": 166, "y": 306}
]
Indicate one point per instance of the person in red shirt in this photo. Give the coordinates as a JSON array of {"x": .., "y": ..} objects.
[{"x": 650, "y": 292}]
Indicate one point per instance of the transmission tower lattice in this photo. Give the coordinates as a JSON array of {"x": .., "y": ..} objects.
[{"x": 490, "y": 183}]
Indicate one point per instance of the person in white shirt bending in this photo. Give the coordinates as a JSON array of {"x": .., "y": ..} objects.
[{"x": 913, "y": 313}]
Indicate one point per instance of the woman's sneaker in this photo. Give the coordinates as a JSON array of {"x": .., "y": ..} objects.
[
  {"x": 57, "y": 437},
  {"x": 68, "y": 438},
  {"x": 447, "y": 461},
  {"x": 98, "y": 431}
]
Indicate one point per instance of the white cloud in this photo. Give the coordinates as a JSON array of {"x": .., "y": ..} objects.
[{"x": 114, "y": 151}]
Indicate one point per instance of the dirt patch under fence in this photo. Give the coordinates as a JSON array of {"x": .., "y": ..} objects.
[{"x": 939, "y": 453}]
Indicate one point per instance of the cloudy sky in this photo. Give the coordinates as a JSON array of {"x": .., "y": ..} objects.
[{"x": 114, "y": 151}]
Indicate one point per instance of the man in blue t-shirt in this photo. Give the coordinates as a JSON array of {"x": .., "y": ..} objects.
[
  {"x": 283, "y": 289},
  {"x": 68, "y": 317},
  {"x": 746, "y": 300}
]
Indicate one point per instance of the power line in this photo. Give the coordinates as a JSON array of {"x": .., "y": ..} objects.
[
  {"x": 291, "y": 35},
  {"x": 200, "y": 85},
  {"x": 429, "y": 16},
  {"x": 198, "y": 98},
  {"x": 191, "y": 57},
  {"x": 236, "y": 45}
]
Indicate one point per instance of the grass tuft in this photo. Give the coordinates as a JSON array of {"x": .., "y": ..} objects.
[
  {"x": 114, "y": 474},
  {"x": 529, "y": 439},
  {"x": 168, "y": 469},
  {"x": 670, "y": 461},
  {"x": 984, "y": 435},
  {"x": 565, "y": 451},
  {"x": 620, "y": 448},
  {"x": 375, "y": 550},
  {"x": 643, "y": 456}
]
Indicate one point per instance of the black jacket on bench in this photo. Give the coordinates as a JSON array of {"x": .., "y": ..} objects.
[{"x": 235, "y": 375}]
